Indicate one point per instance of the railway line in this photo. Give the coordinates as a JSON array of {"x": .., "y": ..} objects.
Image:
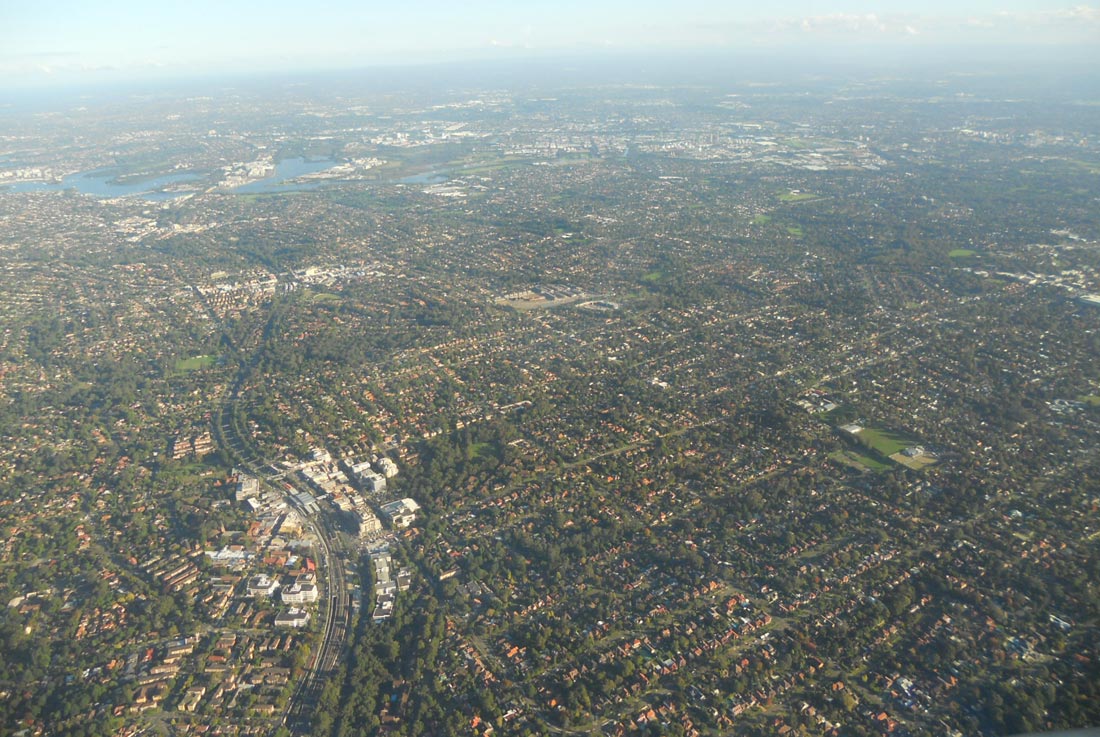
[{"x": 335, "y": 610}]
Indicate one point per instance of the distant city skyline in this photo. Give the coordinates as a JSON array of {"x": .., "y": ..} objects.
[{"x": 71, "y": 42}]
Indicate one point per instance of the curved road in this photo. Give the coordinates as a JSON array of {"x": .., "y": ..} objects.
[{"x": 334, "y": 608}]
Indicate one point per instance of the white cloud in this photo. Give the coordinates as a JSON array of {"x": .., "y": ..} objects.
[
  {"x": 979, "y": 23},
  {"x": 1057, "y": 25},
  {"x": 837, "y": 23},
  {"x": 1082, "y": 13},
  {"x": 1058, "y": 16}
]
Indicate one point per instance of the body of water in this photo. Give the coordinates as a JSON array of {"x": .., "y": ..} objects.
[
  {"x": 101, "y": 183},
  {"x": 286, "y": 170},
  {"x": 429, "y": 177}
]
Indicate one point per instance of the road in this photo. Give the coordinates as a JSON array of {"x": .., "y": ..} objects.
[{"x": 335, "y": 611}]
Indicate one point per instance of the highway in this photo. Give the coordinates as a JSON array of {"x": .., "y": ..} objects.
[
  {"x": 336, "y": 614},
  {"x": 335, "y": 610}
]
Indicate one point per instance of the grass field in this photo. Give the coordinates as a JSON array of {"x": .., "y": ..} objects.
[
  {"x": 1090, "y": 399},
  {"x": 196, "y": 363},
  {"x": 653, "y": 277},
  {"x": 254, "y": 197},
  {"x": 885, "y": 442},
  {"x": 762, "y": 219},
  {"x": 523, "y": 305},
  {"x": 1088, "y": 166},
  {"x": 858, "y": 460},
  {"x": 841, "y": 415},
  {"x": 797, "y": 196},
  {"x": 488, "y": 163},
  {"x": 794, "y": 230},
  {"x": 191, "y": 470},
  {"x": 483, "y": 450},
  {"x": 962, "y": 253},
  {"x": 322, "y": 297},
  {"x": 916, "y": 463},
  {"x": 484, "y": 169}
]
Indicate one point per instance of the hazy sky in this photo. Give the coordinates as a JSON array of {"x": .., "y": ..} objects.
[{"x": 70, "y": 40}]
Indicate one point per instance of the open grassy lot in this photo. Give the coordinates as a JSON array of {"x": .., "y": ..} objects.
[
  {"x": 195, "y": 363},
  {"x": 1089, "y": 166},
  {"x": 483, "y": 450},
  {"x": 322, "y": 297},
  {"x": 858, "y": 460},
  {"x": 886, "y": 442},
  {"x": 962, "y": 253},
  {"x": 797, "y": 196},
  {"x": 252, "y": 198},
  {"x": 916, "y": 463}
]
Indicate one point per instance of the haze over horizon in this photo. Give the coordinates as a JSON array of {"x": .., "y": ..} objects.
[{"x": 66, "y": 42}]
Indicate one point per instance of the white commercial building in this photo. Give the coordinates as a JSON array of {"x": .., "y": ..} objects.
[
  {"x": 292, "y": 618},
  {"x": 387, "y": 467},
  {"x": 300, "y": 593},
  {"x": 401, "y": 513},
  {"x": 262, "y": 585}
]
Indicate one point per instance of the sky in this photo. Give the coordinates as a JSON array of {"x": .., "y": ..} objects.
[{"x": 52, "y": 41}]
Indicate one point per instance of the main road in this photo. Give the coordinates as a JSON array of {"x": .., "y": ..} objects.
[
  {"x": 334, "y": 608},
  {"x": 335, "y": 611}
]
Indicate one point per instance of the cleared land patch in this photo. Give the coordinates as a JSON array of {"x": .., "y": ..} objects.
[
  {"x": 542, "y": 296},
  {"x": 900, "y": 448},
  {"x": 195, "y": 363},
  {"x": 858, "y": 460},
  {"x": 323, "y": 297},
  {"x": 915, "y": 462},
  {"x": 798, "y": 196},
  {"x": 885, "y": 442}
]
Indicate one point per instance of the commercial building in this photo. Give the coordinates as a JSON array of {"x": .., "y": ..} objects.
[
  {"x": 300, "y": 593},
  {"x": 292, "y": 618},
  {"x": 401, "y": 513},
  {"x": 262, "y": 585}
]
